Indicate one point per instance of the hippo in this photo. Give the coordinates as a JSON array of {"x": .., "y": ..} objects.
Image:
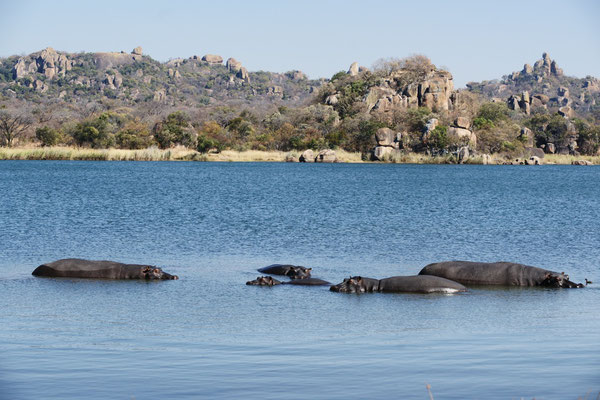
[
  {"x": 291, "y": 271},
  {"x": 264, "y": 281},
  {"x": 269, "y": 281},
  {"x": 78, "y": 268},
  {"x": 307, "y": 282},
  {"x": 398, "y": 284},
  {"x": 498, "y": 273}
]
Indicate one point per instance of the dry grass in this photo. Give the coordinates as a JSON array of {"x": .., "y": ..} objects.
[
  {"x": 558, "y": 159},
  {"x": 155, "y": 154},
  {"x": 274, "y": 156},
  {"x": 184, "y": 154},
  {"x": 71, "y": 153},
  {"x": 418, "y": 158}
]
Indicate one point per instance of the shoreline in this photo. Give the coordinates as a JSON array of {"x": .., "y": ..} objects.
[{"x": 60, "y": 153}]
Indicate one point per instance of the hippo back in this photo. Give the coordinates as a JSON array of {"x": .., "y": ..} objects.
[
  {"x": 307, "y": 282},
  {"x": 478, "y": 273},
  {"x": 419, "y": 284},
  {"x": 79, "y": 268}
]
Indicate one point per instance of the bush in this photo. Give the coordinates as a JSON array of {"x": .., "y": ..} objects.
[
  {"x": 48, "y": 136},
  {"x": 205, "y": 144},
  {"x": 98, "y": 133},
  {"x": 174, "y": 130},
  {"x": 416, "y": 119},
  {"x": 492, "y": 112},
  {"x": 480, "y": 123},
  {"x": 134, "y": 136},
  {"x": 438, "y": 139},
  {"x": 589, "y": 137}
]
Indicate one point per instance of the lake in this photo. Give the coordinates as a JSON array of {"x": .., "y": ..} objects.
[{"x": 208, "y": 335}]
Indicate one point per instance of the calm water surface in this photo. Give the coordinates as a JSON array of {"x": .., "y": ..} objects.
[{"x": 210, "y": 336}]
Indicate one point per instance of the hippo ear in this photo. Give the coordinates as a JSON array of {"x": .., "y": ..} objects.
[
  {"x": 146, "y": 270},
  {"x": 309, "y": 269},
  {"x": 358, "y": 278}
]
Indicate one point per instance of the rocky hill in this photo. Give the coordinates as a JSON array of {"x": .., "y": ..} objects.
[
  {"x": 133, "y": 78},
  {"x": 129, "y": 100},
  {"x": 542, "y": 87}
]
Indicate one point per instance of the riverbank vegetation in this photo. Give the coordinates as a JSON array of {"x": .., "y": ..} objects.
[{"x": 181, "y": 153}]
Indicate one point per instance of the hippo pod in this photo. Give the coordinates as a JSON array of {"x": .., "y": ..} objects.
[
  {"x": 78, "y": 268},
  {"x": 291, "y": 271},
  {"x": 270, "y": 281},
  {"x": 498, "y": 273},
  {"x": 398, "y": 284}
]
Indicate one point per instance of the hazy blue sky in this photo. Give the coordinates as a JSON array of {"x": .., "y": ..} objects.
[{"x": 475, "y": 40}]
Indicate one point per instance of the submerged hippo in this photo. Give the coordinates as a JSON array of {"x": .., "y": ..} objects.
[
  {"x": 307, "y": 282},
  {"x": 270, "y": 281},
  {"x": 264, "y": 281},
  {"x": 291, "y": 271},
  {"x": 78, "y": 268},
  {"x": 498, "y": 273},
  {"x": 398, "y": 284}
]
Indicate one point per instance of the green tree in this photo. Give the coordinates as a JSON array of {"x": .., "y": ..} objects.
[
  {"x": 48, "y": 136},
  {"x": 438, "y": 139},
  {"x": 134, "y": 135},
  {"x": 588, "y": 141},
  {"x": 175, "y": 129},
  {"x": 205, "y": 144},
  {"x": 99, "y": 132}
]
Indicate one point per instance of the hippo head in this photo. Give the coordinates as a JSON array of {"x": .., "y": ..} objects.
[
  {"x": 559, "y": 281},
  {"x": 151, "y": 273},
  {"x": 298, "y": 272},
  {"x": 354, "y": 284},
  {"x": 263, "y": 281}
]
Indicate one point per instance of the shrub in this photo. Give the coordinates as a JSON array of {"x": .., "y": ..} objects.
[
  {"x": 134, "y": 136},
  {"x": 492, "y": 112},
  {"x": 175, "y": 129},
  {"x": 48, "y": 136},
  {"x": 482, "y": 123},
  {"x": 438, "y": 139},
  {"x": 205, "y": 144}
]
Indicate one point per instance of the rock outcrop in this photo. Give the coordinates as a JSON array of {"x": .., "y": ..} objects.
[
  {"x": 137, "y": 51},
  {"x": 297, "y": 75},
  {"x": 233, "y": 65},
  {"x": 307, "y": 156},
  {"x": 460, "y": 132},
  {"x": 433, "y": 91},
  {"x": 353, "y": 70},
  {"x": 326, "y": 156},
  {"x": 243, "y": 74},
  {"x": 47, "y": 62},
  {"x": 542, "y": 68},
  {"x": 213, "y": 59},
  {"x": 527, "y": 137},
  {"x": 275, "y": 91},
  {"x": 388, "y": 142},
  {"x": 582, "y": 162}
]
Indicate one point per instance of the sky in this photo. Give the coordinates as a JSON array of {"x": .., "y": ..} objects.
[{"x": 474, "y": 40}]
